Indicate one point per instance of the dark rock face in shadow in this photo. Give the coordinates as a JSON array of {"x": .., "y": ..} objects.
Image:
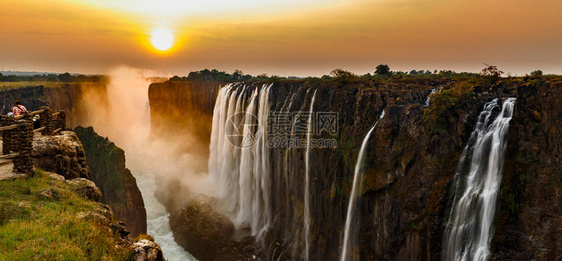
[{"x": 118, "y": 186}]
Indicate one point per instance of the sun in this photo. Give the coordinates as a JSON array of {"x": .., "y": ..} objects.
[{"x": 162, "y": 39}]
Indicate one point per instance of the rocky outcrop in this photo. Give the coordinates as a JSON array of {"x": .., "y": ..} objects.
[
  {"x": 199, "y": 229},
  {"x": 147, "y": 250},
  {"x": 62, "y": 154},
  {"x": 118, "y": 186},
  {"x": 85, "y": 188},
  {"x": 208, "y": 235},
  {"x": 143, "y": 247}
]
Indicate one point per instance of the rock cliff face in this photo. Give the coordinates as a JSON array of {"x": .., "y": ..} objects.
[
  {"x": 62, "y": 154},
  {"x": 118, "y": 186},
  {"x": 529, "y": 224},
  {"x": 181, "y": 113},
  {"x": 406, "y": 195}
]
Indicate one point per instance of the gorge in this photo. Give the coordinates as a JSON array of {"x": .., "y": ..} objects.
[
  {"x": 234, "y": 164},
  {"x": 409, "y": 176}
]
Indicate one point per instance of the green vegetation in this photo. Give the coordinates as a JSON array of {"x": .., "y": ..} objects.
[
  {"x": 382, "y": 69},
  {"x": 8, "y": 85},
  {"x": 536, "y": 73},
  {"x": 65, "y": 77},
  {"x": 215, "y": 76},
  {"x": 64, "y": 226},
  {"x": 492, "y": 72},
  {"x": 413, "y": 226},
  {"x": 511, "y": 203},
  {"x": 440, "y": 112},
  {"x": 343, "y": 77},
  {"x": 106, "y": 165}
]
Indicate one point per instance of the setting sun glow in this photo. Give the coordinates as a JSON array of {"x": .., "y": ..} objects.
[{"x": 162, "y": 39}]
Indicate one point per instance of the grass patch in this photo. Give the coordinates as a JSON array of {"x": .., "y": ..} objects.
[{"x": 34, "y": 227}]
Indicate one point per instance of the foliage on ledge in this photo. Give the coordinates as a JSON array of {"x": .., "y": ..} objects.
[{"x": 41, "y": 218}]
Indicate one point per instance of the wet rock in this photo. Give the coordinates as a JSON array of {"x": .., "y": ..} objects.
[
  {"x": 207, "y": 235},
  {"x": 146, "y": 250}
]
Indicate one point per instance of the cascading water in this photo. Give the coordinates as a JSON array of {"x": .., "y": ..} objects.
[
  {"x": 306, "y": 215},
  {"x": 434, "y": 90},
  {"x": 239, "y": 160},
  {"x": 477, "y": 182},
  {"x": 158, "y": 222},
  {"x": 358, "y": 176}
]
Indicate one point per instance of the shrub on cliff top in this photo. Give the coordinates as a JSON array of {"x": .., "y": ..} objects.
[
  {"x": 492, "y": 72},
  {"x": 441, "y": 109},
  {"x": 342, "y": 76}
]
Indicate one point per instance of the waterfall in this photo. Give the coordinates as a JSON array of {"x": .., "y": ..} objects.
[
  {"x": 434, "y": 90},
  {"x": 477, "y": 182},
  {"x": 306, "y": 215},
  {"x": 239, "y": 159},
  {"x": 358, "y": 176}
]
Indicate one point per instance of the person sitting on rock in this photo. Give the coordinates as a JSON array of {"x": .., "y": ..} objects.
[{"x": 18, "y": 109}]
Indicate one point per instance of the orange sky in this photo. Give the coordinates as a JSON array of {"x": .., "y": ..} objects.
[{"x": 283, "y": 37}]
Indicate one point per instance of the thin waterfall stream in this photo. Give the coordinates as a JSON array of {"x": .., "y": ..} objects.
[
  {"x": 306, "y": 215},
  {"x": 354, "y": 191}
]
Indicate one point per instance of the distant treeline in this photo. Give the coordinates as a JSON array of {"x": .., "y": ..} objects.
[
  {"x": 215, "y": 75},
  {"x": 64, "y": 77},
  {"x": 382, "y": 71}
]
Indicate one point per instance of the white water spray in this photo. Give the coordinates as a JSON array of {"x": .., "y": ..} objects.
[
  {"x": 157, "y": 219},
  {"x": 127, "y": 123},
  {"x": 239, "y": 161},
  {"x": 358, "y": 176},
  {"x": 469, "y": 230},
  {"x": 306, "y": 215},
  {"x": 434, "y": 90}
]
